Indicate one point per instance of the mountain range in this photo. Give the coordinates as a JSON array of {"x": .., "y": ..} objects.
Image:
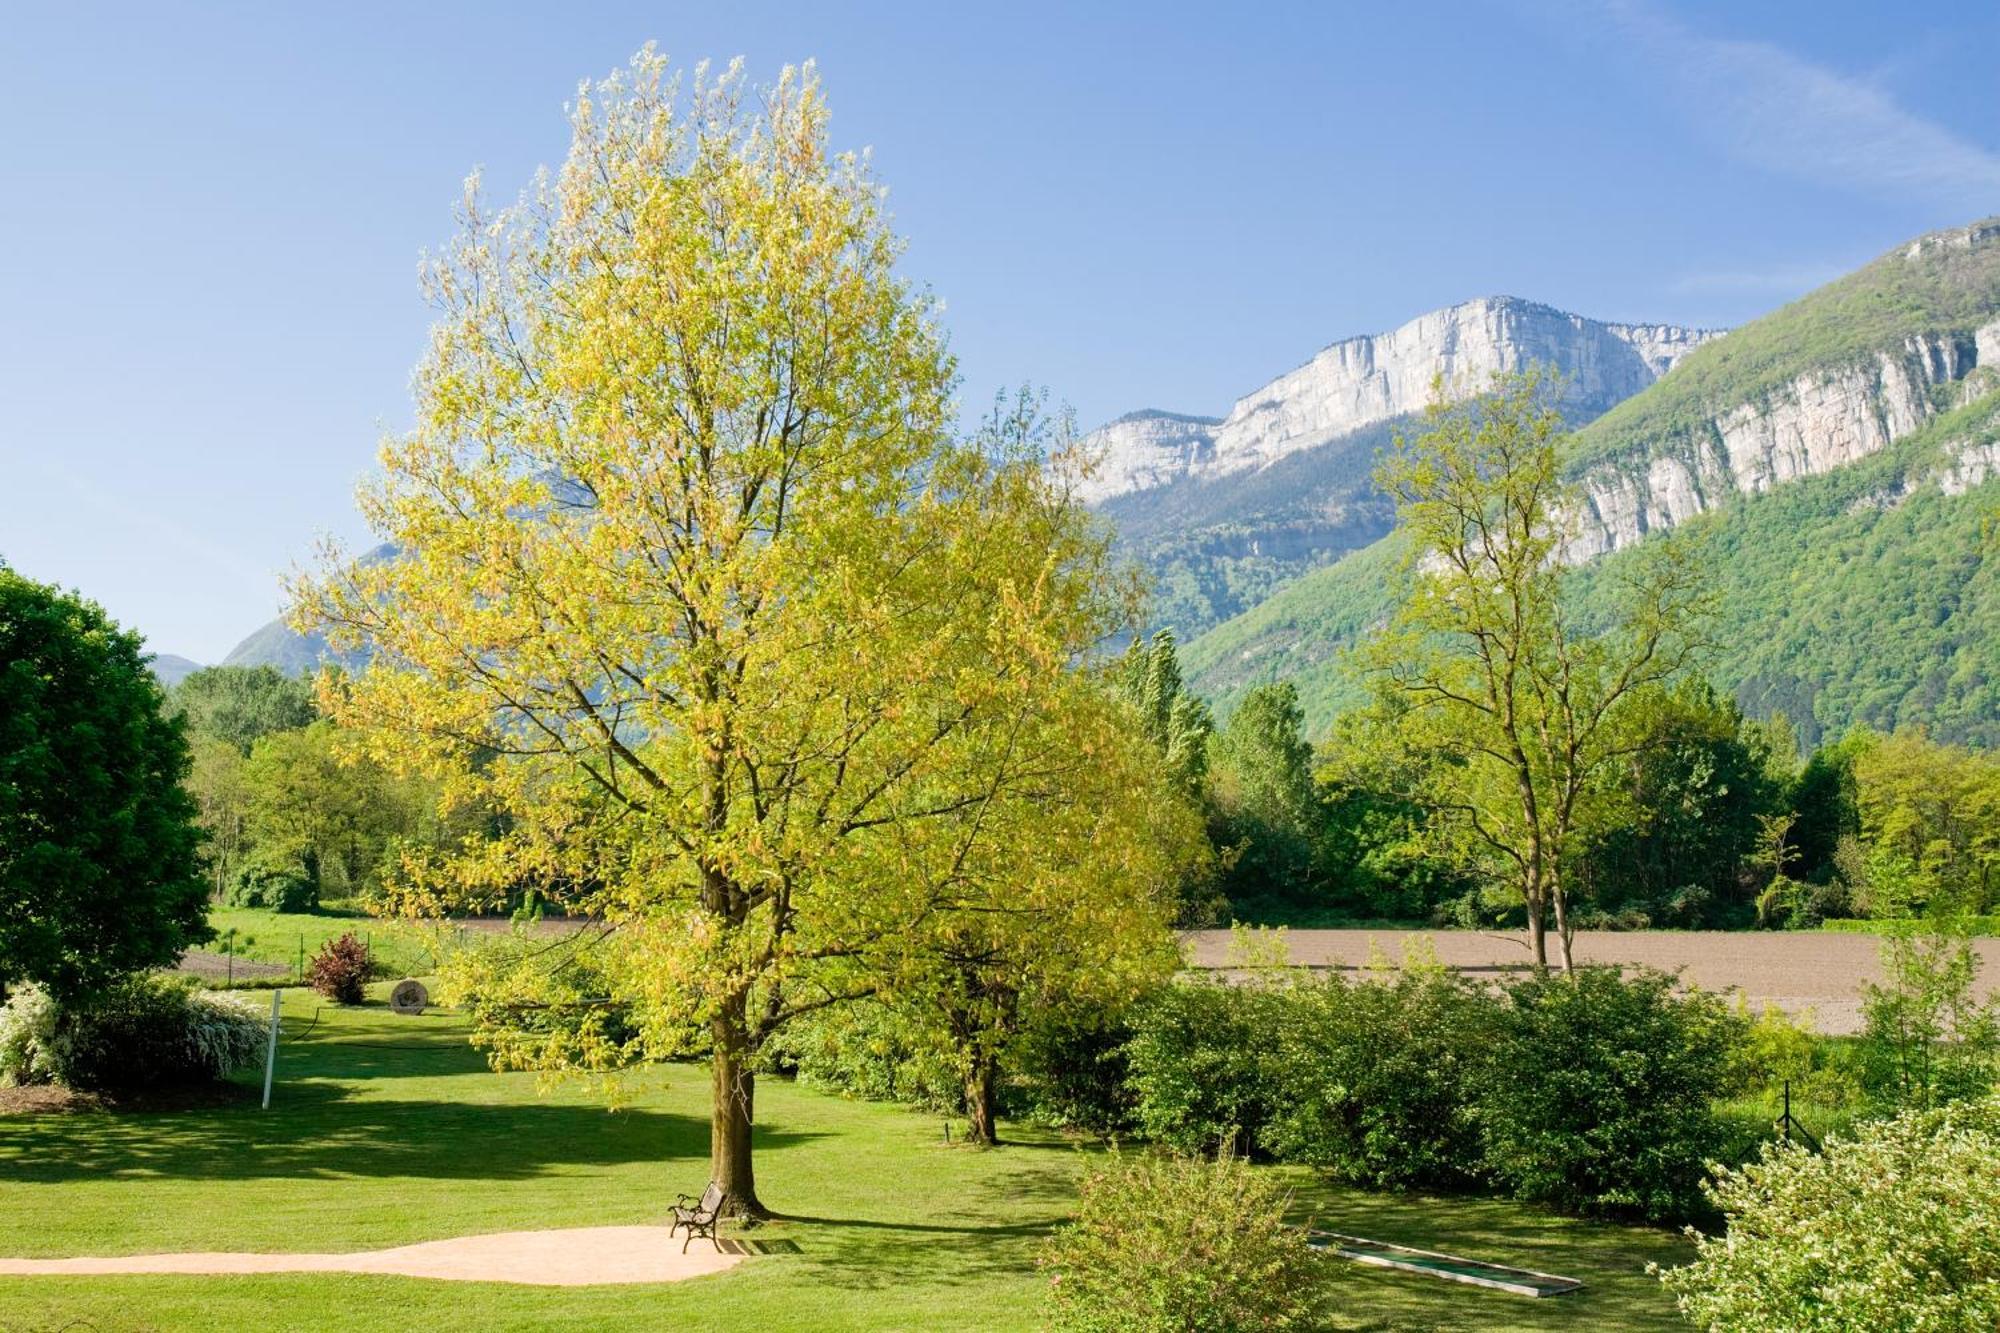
[
  {"x": 1223, "y": 511},
  {"x": 1838, "y": 457},
  {"x": 170, "y": 669}
]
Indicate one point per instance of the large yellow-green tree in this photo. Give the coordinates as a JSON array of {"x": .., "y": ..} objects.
[
  {"x": 769, "y": 671},
  {"x": 1930, "y": 820}
]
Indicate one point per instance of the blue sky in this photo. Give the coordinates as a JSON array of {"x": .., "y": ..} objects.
[{"x": 212, "y": 216}]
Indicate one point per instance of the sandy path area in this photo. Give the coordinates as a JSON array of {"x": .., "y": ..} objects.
[
  {"x": 577, "y": 1257},
  {"x": 1821, "y": 971}
]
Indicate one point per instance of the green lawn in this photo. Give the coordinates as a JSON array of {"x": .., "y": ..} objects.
[
  {"x": 388, "y": 1130},
  {"x": 257, "y": 935},
  {"x": 399, "y": 947}
]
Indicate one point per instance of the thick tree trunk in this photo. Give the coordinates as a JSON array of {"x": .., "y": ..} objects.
[
  {"x": 980, "y": 1103},
  {"x": 733, "y": 1115}
]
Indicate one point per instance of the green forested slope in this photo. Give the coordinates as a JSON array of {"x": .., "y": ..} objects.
[
  {"x": 1865, "y": 594},
  {"x": 1939, "y": 287}
]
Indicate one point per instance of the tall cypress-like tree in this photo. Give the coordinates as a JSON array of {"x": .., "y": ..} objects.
[{"x": 1175, "y": 719}]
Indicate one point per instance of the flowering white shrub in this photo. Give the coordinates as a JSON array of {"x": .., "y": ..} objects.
[
  {"x": 1895, "y": 1228},
  {"x": 146, "y": 1030},
  {"x": 27, "y": 1035}
]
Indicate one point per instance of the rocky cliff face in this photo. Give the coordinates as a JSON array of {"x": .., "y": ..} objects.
[
  {"x": 1814, "y": 424},
  {"x": 1145, "y": 449},
  {"x": 1362, "y": 382}
]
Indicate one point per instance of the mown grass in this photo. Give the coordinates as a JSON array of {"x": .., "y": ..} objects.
[
  {"x": 1972, "y": 925},
  {"x": 257, "y": 935},
  {"x": 387, "y": 1130},
  {"x": 399, "y": 948}
]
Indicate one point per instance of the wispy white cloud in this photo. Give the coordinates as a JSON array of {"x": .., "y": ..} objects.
[{"x": 1779, "y": 111}]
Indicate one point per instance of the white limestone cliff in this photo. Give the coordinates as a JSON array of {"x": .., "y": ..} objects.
[
  {"x": 1362, "y": 381},
  {"x": 1815, "y": 424},
  {"x": 1145, "y": 449}
]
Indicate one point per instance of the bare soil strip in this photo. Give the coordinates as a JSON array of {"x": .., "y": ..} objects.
[
  {"x": 211, "y": 966},
  {"x": 575, "y": 1257},
  {"x": 1796, "y": 971}
]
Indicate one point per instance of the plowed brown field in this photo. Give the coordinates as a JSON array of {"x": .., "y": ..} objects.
[{"x": 1823, "y": 972}]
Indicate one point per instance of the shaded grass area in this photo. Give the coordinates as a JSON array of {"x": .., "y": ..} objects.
[{"x": 387, "y": 1130}]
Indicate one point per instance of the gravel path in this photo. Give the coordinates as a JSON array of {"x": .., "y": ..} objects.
[
  {"x": 1821, "y": 971},
  {"x": 576, "y": 1257}
]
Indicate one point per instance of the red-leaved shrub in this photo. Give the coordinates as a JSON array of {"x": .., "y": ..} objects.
[{"x": 339, "y": 969}]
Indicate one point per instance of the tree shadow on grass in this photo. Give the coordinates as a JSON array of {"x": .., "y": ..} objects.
[
  {"x": 864, "y": 1254},
  {"x": 1609, "y": 1259},
  {"x": 318, "y": 1131}
]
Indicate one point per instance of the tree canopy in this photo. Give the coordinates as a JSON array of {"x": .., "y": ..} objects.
[
  {"x": 237, "y": 705},
  {"x": 772, "y": 674},
  {"x": 100, "y": 869},
  {"x": 1513, "y": 714}
]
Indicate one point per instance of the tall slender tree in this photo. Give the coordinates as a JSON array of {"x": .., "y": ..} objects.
[
  {"x": 1268, "y": 803},
  {"x": 1175, "y": 719},
  {"x": 1518, "y": 713}
]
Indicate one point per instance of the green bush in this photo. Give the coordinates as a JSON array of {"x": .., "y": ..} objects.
[
  {"x": 866, "y": 1049},
  {"x": 1896, "y": 1228},
  {"x": 276, "y": 886},
  {"x": 1929, "y": 1039},
  {"x": 1601, "y": 1091},
  {"x": 1074, "y": 1072},
  {"x": 148, "y": 1031},
  {"x": 1173, "y": 1242},
  {"x": 1375, "y": 1081},
  {"x": 1200, "y": 1060},
  {"x": 1592, "y": 1091}
]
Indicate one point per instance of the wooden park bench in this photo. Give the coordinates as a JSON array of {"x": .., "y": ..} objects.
[{"x": 699, "y": 1216}]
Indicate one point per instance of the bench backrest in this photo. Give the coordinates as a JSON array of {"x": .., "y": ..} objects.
[{"x": 711, "y": 1200}]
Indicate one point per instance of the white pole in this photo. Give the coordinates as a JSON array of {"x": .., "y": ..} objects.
[{"x": 271, "y": 1052}]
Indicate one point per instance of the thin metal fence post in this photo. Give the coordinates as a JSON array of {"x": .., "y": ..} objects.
[{"x": 271, "y": 1051}]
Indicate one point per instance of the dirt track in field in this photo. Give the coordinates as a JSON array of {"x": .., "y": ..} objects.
[
  {"x": 1823, "y": 972},
  {"x": 212, "y": 966}
]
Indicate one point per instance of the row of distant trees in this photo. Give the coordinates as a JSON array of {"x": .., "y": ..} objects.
[
  {"x": 1722, "y": 824},
  {"x": 295, "y": 813}
]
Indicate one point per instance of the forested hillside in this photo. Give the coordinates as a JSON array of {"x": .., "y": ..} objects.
[{"x": 1834, "y": 461}]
